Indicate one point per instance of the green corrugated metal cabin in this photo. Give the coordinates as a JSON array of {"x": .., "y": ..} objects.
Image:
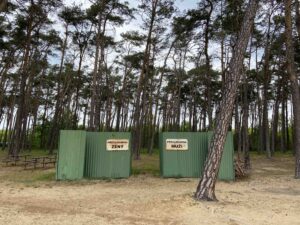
[
  {"x": 108, "y": 155},
  {"x": 183, "y": 154},
  {"x": 71, "y": 154},
  {"x": 93, "y": 155}
]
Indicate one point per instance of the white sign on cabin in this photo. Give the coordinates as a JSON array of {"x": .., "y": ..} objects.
[
  {"x": 177, "y": 144},
  {"x": 117, "y": 145}
]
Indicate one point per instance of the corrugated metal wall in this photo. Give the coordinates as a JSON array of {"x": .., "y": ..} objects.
[
  {"x": 191, "y": 163},
  {"x": 71, "y": 153},
  {"x": 100, "y": 163},
  {"x": 226, "y": 171},
  {"x": 183, "y": 163},
  {"x": 84, "y": 154}
]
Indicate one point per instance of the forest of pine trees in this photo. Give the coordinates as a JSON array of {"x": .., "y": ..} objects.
[{"x": 147, "y": 67}]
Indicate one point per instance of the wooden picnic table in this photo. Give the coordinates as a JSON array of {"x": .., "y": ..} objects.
[
  {"x": 42, "y": 160},
  {"x": 14, "y": 159}
]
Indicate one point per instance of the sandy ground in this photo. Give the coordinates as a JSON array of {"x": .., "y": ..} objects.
[{"x": 269, "y": 196}]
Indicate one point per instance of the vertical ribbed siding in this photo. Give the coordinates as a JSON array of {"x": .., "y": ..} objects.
[
  {"x": 92, "y": 153},
  {"x": 202, "y": 146},
  {"x": 226, "y": 171},
  {"x": 191, "y": 163},
  {"x": 101, "y": 163},
  {"x": 161, "y": 147},
  {"x": 184, "y": 163},
  {"x": 71, "y": 151}
]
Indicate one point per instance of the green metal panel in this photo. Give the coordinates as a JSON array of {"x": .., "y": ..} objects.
[
  {"x": 190, "y": 163},
  {"x": 71, "y": 153},
  {"x": 100, "y": 163},
  {"x": 187, "y": 163},
  {"x": 160, "y": 146},
  {"x": 226, "y": 171}
]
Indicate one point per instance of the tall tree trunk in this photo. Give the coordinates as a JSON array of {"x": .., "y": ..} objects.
[
  {"x": 137, "y": 126},
  {"x": 78, "y": 84},
  {"x": 8, "y": 125},
  {"x": 275, "y": 120},
  {"x": 207, "y": 66},
  {"x": 222, "y": 46},
  {"x": 267, "y": 77},
  {"x": 297, "y": 4},
  {"x": 283, "y": 126},
  {"x": 16, "y": 140},
  {"x": 206, "y": 187},
  {"x": 237, "y": 128},
  {"x": 287, "y": 132},
  {"x": 260, "y": 124},
  {"x": 157, "y": 95},
  {"x": 54, "y": 130},
  {"x": 245, "y": 119},
  {"x": 294, "y": 83},
  {"x": 94, "y": 119},
  {"x": 275, "y": 126}
]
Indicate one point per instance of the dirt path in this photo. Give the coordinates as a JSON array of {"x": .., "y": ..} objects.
[{"x": 269, "y": 196}]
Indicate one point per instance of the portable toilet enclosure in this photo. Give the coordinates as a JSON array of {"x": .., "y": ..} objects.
[
  {"x": 183, "y": 154},
  {"x": 108, "y": 155}
]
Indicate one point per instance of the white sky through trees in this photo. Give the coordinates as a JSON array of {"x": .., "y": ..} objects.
[{"x": 135, "y": 24}]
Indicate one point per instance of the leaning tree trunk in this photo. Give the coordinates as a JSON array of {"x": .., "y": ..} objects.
[
  {"x": 294, "y": 83},
  {"x": 206, "y": 186}
]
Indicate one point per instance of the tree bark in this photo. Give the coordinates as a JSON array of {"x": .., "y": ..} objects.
[
  {"x": 54, "y": 130},
  {"x": 294, "y": 83},
  {"x": 266, "y": 82},
  {"x": 207, "y": 66},
  {"x": 206, "y": 186},
  {"x": 15, "y": 142},
  {"x": 137, "y": 126},
  {"x": 283, "y": 126},
  {"x": 297, "y": 4},
  {"x": 275, "y": 126},
  {"x": 245, "y": 119}
]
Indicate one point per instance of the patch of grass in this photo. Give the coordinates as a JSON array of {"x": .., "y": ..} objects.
[
  {"x": 45, "y": 177},
  {"x": 284, "y": 154},
  {"x": 18, "y": 175},
  {"x": 277, "y": 154},
  {"x": 148, "y": 164},
  {"x": 144, "y": 151},
  {"x": 3, "y": 154},
  {"x": 33, "y": 152}
]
